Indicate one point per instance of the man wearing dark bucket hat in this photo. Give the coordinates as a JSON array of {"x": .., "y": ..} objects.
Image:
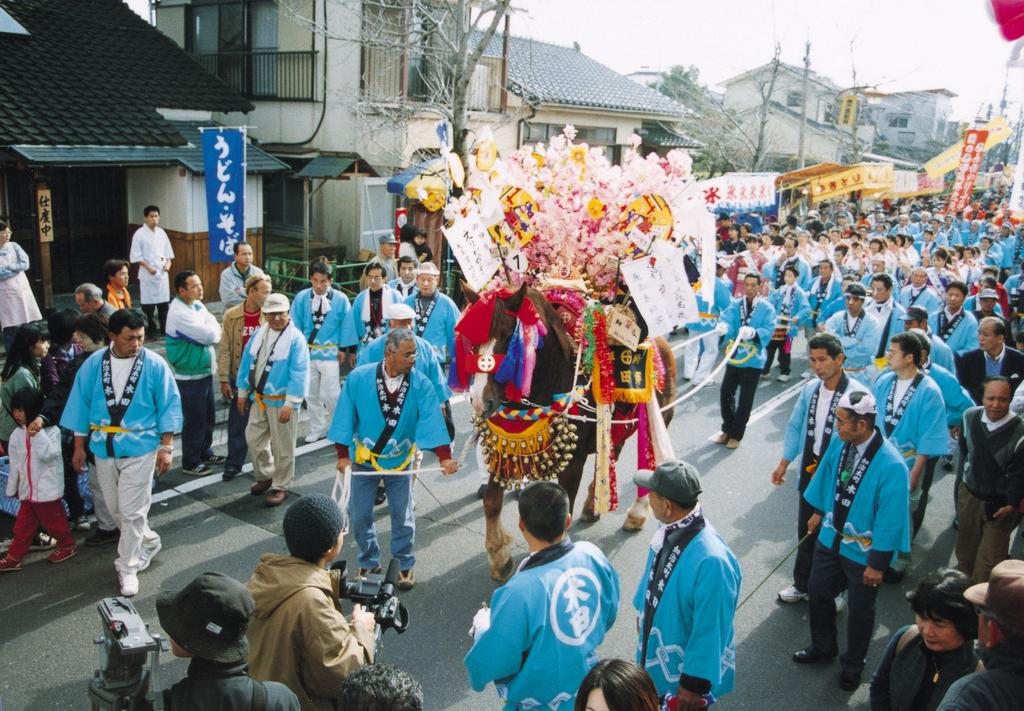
[
  {"x": 206, "y": 622},
  {"x": 687, "y": 595}
]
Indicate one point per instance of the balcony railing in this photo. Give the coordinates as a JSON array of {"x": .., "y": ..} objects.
[{"x": 285, "y": 76}]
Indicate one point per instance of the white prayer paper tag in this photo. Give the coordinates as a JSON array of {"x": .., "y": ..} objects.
[
  {"x": 623, "y": 329},
  {"x": 660, "y": 289},
  {"x": 471, "y": 246}
]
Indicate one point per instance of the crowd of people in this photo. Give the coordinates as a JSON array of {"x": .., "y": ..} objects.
[{"x": 910, "y": 317}]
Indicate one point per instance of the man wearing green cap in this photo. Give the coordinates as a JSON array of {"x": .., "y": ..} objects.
[{"x": 687, "y": 595}]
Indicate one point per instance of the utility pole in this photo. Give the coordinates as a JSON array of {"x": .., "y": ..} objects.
[
  {"x": 803, "y": 100},
  {"x": 856, "y": 108}
]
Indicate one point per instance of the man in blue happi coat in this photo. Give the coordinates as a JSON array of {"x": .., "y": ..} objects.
[
  {"x": 436, "y": 314},
  {"x": 917, "y": 318},
  {"x": 860, "y": 495},
  {"x": 919, "y": 292},
  {"x": 750, "y": 321},
  {"x": 539, "y": 637},
  {"x": 403, "y": 316},
  {"x": 808, "y": 433},
  {"x": 386, "y": 412},
  {"x": 687, "y": 594},
  {"x": 124, "y": 401},
  {"x": 913, "y": 418},
  {"x": 320, "y": 312},
  {"x": 825, "y": 297},
  {"x": 955, "y": 325},
  {"x": 366, "y": 320},
  {"x": 859, "y": 334},
  {"x": 887, "y": 312}
]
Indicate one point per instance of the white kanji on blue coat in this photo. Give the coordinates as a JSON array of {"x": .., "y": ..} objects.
[{"x": 575, "y": 606}]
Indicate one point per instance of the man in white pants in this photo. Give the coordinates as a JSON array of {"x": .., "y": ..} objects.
[
  {"x": 125, "y": 401},
  {"x": 319, "y": 313}
]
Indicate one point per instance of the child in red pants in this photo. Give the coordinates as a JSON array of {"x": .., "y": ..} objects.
[{"x": 36, "y": 476}]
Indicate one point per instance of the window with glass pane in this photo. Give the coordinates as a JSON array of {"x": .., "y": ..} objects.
[{"x": 536, "y": 132}]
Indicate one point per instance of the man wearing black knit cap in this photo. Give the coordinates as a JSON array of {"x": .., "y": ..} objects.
[
  {"x": 206, "y": 623},
  {"x": 298, "y": 633}
]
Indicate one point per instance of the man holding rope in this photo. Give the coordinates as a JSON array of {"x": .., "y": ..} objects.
[
  {"x": 860, "y": 496},
  {"x": 387, "y": 410},
  {"x": 808, "y": 434}
]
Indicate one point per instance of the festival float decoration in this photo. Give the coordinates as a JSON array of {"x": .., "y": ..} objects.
[{"x": 606, "y": 245}]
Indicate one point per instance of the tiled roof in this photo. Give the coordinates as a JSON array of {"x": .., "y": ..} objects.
[
  {"x": 92, "y": 72},
  {"x": 661, "y": 136},
  {"x": 552, "y": 74},
  {"x": 189, "y": 155}
]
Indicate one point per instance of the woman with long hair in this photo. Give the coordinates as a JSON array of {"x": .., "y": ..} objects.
[
  {"x": 21, "y": 370},
  {"x": 617, "y": 685}
]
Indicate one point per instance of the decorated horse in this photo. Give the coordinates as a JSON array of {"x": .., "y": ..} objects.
[{"x": 548, "y": 389}]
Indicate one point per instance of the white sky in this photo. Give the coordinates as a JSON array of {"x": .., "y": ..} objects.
[{"x": 898, "y": 45}]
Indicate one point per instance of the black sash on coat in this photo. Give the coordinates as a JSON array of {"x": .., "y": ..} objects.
[
  {"x": 118, "y": 408},
  {"x": 391, "y": 413}
]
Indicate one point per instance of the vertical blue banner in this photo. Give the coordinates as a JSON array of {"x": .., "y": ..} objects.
[{"x": 224, "y": 162}]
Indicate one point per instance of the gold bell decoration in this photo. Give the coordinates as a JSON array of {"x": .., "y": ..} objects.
[{"x": 539, "y": 451}]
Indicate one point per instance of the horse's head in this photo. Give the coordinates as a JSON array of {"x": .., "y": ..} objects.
[{"x": 485, "y": 393}]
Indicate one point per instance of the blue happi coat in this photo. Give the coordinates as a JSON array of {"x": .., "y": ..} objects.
[
  {"x": 964, "y": 337},
  {"x": 353, "y": 330},
  {"x": 895, "y": 320},
  {"x": 762, "y": 320},
  {"x": 796, "y": 428},
  {"x": 358, "y": 419},
  {"x": 956, "y": 399},
  {"x": 709, "y": 313},
  {"x": 879, "y": 518},
  {"x": 328, "y": 338},
  {"x": 426, "y": 363},
  {"x": 692, "y": 630},
  {"x": 154, "y": 409},
  {"x": 860, "y": 346},
  {"x": 941, "y": 354},
  {"x": 803, "y": 280},
  {"x": 799, "y": 310},
  {"x": 1011, "y": 258},
  {"x": 926, "y": 298},
  {"x": 922, "y": 429},
  {"x": 288, "y": 381},
  {"x": 440, "y": 328},
  {"x": 546, "y": 624},
  {"x": 824, "y": 305}
]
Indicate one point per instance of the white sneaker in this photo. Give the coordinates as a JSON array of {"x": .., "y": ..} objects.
[
  {"x": 792, "y": 594},
  {"x": 783, "y": 378},
  {"x": 148, "y": 553},
  {"x": 840, "y": 602},
  {"x": 313, "y": 437},
  {"x": 129, "y": 584}
]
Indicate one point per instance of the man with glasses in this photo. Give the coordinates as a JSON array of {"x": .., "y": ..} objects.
[
  {"x": 387, "y": 412},
  {"x": 125, "y": 402},
  {"x": 366, "y": 320},
  {"x": 274, "y": 374}
]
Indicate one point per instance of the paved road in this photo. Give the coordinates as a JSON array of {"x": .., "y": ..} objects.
[{"x": 48, "y": 618}]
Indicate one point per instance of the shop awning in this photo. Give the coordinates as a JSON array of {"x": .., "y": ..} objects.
[
  {"x": 796, "y": 178},
  {"x": 428, "y": 176},
  {"x": 867, "y": 178},
  {"x": 336, "y": 166}
]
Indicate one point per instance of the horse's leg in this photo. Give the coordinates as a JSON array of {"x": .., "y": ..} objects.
[
  {"x": 636, "y": 514},
  {"x": 497, "y": 541}
]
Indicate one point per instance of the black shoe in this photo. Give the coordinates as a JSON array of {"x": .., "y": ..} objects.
[
  {"x": 812, "y": 656},
  {"x": 100, "y": 537},
  {"x": 481, "y": 491},
  {"x": 849, "y": 680},
  {"x": 947, "y": 463},
  {"x": 380, "y": 497},
  {"x": 892, "y": 576},
  {"x": 215, "y": 459},
  {"x": 230, "y": 473},
  {"x": 201, "y": 469}
]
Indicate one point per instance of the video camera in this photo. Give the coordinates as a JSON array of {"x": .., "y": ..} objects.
[
  {"x": 123, "y": 682},
  {"x": 376, "y": 592}
]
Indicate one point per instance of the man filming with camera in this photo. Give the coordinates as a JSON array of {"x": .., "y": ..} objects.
[
  {"x": 298, "y": 635},
  {"x": 206, "y": 623}
]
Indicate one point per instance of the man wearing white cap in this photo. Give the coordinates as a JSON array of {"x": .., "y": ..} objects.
[
  {"x": 436, "y": 314},
  {"x": 274, "y": 373},
  {"x": 860, "y": 494}
]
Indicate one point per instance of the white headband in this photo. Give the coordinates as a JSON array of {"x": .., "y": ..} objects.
[{"x": 865, "y": 406}]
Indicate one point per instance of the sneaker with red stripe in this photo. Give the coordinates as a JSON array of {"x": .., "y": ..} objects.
[
  {"x": 62, "y": 554},
  {"x": 9, "y": 565}
]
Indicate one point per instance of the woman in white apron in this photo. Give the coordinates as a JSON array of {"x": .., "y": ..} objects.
[{"x": 17, "y": 302}]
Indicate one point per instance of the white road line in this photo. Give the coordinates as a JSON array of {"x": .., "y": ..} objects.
[{"x": 768, "y": 406}]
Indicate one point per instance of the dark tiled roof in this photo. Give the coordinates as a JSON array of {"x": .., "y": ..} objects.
[
  {"x": 189, "y": 155},
  {"x": 661, "y": 136},
  {"x": 92, "y": 72},
  {"x": 562, "y": 75}
]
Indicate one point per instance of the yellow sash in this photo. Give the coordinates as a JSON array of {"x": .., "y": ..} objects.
[
  {"x": 109, "y": 429},
  {"x": 260, "y": 398},
  {"x": 365, "y": 456}
]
